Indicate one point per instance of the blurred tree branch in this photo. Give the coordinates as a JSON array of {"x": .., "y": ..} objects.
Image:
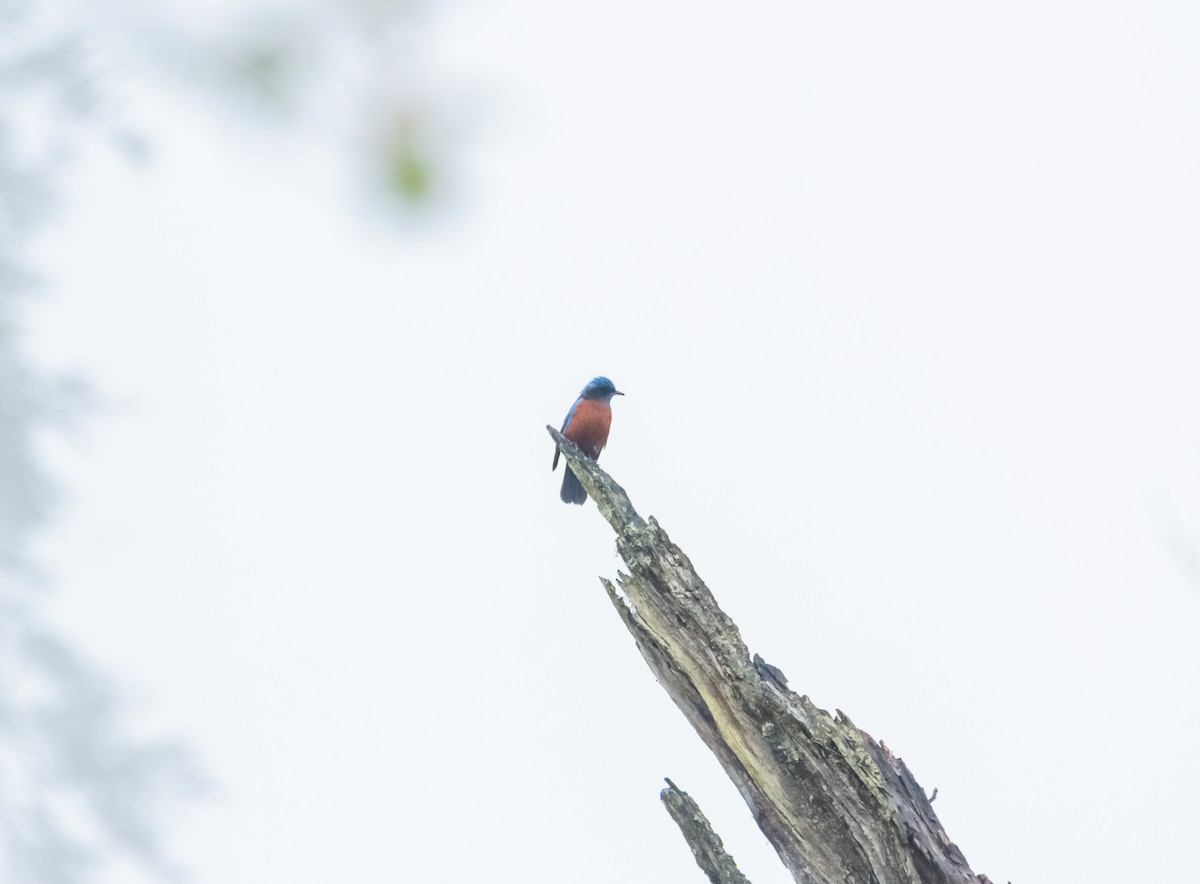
[{"x": 836, "y": 805}]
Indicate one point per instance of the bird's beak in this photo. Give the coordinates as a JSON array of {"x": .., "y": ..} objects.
[{"x": 618, "y": 393}]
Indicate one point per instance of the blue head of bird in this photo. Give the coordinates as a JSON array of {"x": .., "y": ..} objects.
[{"x": 600, "y": 388}]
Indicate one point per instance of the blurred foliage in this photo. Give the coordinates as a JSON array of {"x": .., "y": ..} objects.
[
  {"x": 77, "y": 790},
  {"x": 268, "y": 69},
  {"x": 322, "y": 72},
  {"x": 409, "y": 169}
]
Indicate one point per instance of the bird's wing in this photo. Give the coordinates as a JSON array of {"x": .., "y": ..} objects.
[{"x": 566, "y": 423}]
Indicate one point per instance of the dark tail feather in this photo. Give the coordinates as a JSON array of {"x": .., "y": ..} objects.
[{"x": 572, "y": 491}]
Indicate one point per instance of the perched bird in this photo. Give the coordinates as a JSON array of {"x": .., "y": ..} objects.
[{"x": 587, "y": 426}]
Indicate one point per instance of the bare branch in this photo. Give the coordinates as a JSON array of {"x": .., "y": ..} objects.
[
  {"x": 837, "y": 805},
  {"x": 706, "y": 845}
]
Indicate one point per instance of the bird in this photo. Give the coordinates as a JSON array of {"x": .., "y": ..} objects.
[{"x": 587, "y": 426}]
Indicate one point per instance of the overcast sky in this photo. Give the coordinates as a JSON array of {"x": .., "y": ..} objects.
[{"x": 904, "y": 302}]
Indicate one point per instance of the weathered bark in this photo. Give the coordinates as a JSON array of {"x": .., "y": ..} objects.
[
  {"x": 838, "y": 806},
  {"x": 706, "y": 846}
]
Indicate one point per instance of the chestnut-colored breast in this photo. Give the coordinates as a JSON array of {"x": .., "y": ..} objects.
[{"x": 589, "y": 426}]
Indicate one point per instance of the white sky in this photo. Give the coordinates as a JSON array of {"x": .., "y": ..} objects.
[{"x": 904, "y": 302}]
